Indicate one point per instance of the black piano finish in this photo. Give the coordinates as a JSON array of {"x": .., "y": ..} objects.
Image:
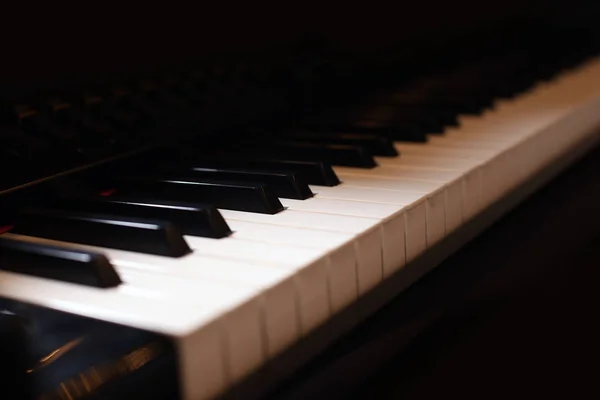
[{"x": 48, "y": 355}]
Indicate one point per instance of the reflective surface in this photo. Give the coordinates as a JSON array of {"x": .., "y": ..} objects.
[{"x": 69, "y": 357}]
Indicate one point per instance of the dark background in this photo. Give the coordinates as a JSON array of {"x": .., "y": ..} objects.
[{"x": 45, "y": 44}]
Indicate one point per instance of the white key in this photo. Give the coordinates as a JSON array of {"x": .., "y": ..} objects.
[
  {"x": 308, "y": 266},
  {"x": 467, "y": 181},
  {"x": 431, "y": 149},
  {"x": 435, "y": 205},
  {"x": 430, "y": 162},
  {"x": 453, "y": 192},
  {"x": 440, "y": 175},
  {"x": 387, "y": 182},
  {"x": 346, "y": 191},
  {"x": 398, "y": 222},
  {"x": 493, "y": 174},
  {"x": 368, "y": 232},
  {"x": 241, "y": 308},
  {"x": 443, "y": 198},
  {"x": 338, "y": 246},
  {"x": 504, "y": 131},
  {"x": 275, "y": 286},
  {"x": 477, "y": 142}
]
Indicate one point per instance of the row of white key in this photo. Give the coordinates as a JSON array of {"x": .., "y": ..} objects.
[{"x": 240, "y": 300}]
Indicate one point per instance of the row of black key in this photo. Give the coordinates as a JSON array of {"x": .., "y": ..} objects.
[
  {"x": 59, "y": 135},
  {"x": 178, "y": 193},
  {"x": 140, "y": 212}
]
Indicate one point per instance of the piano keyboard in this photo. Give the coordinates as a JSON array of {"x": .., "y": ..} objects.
[{"x": 233, "y": 288}]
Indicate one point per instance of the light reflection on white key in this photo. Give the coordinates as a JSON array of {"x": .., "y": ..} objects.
[
  {"x": 337, "y": 246},
  {"x": 368, "y": 233},
  {"x": 396, "y": 224},
  {"x": 435, "y": 204}
]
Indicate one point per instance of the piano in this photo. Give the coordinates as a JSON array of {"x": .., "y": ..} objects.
[{"x": 201, "y": 222}]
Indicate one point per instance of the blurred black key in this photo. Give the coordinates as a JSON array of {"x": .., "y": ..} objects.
[
  {"x": 343, "y": 155},
  {"x": 38, "y": 151},
  {"x": 95, "y": 137},
  {"x": 406, "y": 123},
  {"x": 21, "y": 143},
  {"x": 420, "y": 107},
  {"x": 134, "y": 102},
  {"x": 446, "y": 115},
  {"x": 191, "y": 218},
  {"x": 80, "y": 118},
  {"x": 433, "y": 119},
  {"x": 238, "y": 196},
  {"x": 65, "y": 140},
  {"x": 36, "y": 123},
  {"x": 378, "y": 145},
  {"x": 54, "y": 262},
  {"x": 125, "y": 233},
  {"x": 161, "y": 94},
  {"x": 284, "y": 184},
  {"x": 29, "y": 160},
  {"x": 128, "y": 121},
  {"x": 422, "y": 118},
  {"x": 312, "y": 172},
  {"x": 399, "y": 131}
]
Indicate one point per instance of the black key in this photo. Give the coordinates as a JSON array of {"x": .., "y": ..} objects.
[
  {"x": 378, "y": 145},
  {"x": 54, "y": 262},
  {"x": 150, "y": 109},
  {"x": 23, "y": 144},
  {"x": 191, "y": 218},
  {"x": 399, "y": 131},
  {"x": 416, "y": 116},
  {"x": 238, "y": 196},
  {"x": 312, "y": 172},
  {"x": 65, "y": 138},
  {"x": 446, "y": 115},
  {"x": 95, "y": 132},
  {"x": 50, "y": 155},
  {"x": 284, "y": 184},
  {"x": 132, "y": 234},
  {"x": 38, "y": 124},
  {"x": 436, "y": 119},
  {"x": 382, "y": 116},
  {"x": 124, "y": 120},
  {"x": 343, "y": 155},
  {"x": 425, "y": 111},
  {"x": 95, "y": 138}
]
